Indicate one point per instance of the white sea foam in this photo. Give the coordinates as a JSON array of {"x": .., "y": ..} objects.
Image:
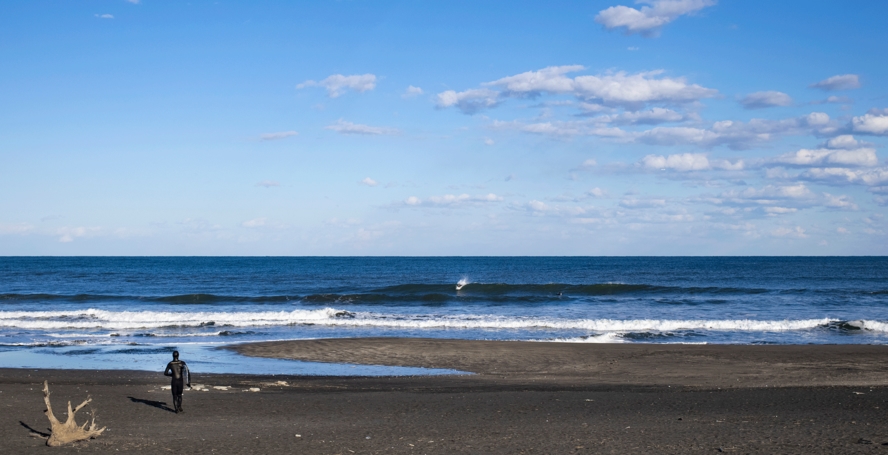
[
  {"x": 94, "y": 319},
  {"x": 609, "y": 337},
  {"x": 875, "y": 326},
  {"x": 133, "y": 320}
]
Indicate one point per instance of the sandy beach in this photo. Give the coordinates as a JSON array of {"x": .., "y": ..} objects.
[{"x": 523, "y": 398}]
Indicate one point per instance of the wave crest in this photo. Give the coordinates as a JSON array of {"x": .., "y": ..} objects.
[{"x": 95, "y": 319}]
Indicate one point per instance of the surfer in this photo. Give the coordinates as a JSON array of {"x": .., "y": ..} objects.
[{"x": 178, "y": 372}]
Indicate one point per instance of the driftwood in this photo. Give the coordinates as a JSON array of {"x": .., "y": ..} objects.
[{"x": 63, "y": 433}]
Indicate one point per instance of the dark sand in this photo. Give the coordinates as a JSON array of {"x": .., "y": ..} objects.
[{"x": 526, "y": 398}]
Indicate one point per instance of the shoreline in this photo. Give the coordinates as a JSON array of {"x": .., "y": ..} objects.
[{"x": 602, "y": 399}]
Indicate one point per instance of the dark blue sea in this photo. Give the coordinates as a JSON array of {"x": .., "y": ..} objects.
[{"x": 130, "y": 312}]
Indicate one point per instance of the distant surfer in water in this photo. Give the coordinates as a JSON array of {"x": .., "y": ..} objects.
[{"x": 178, "y": 372}]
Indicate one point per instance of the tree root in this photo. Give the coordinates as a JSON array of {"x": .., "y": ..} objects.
[{"x": 63, "y": 433}]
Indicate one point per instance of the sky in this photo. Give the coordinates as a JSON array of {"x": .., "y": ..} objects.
[{"x": 601, "y": 127}]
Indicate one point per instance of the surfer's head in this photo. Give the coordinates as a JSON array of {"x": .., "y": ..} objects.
[{"x": 175, "y": 355}]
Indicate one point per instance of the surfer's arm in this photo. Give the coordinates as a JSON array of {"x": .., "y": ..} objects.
[{"x": 169, "y": 370}]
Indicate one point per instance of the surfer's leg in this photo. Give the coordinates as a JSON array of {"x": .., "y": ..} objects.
[{"x": 177, "y": 388}]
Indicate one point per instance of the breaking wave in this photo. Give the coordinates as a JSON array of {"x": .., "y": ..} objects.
[{"x": 96, "y": 319}]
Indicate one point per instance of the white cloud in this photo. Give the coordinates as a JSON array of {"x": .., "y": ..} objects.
[
  {"x": 540, "y": 208},
  {"x": 337, "y": 84},
  {"x": 779, "y": 210},
  {"x": 551, "y": 79},
  {"x": 489, "y": 141},
  {"x": 369, "y": 182},
  {"x": 845, "y": 141},
  {"x": 769, "y": 195},
  {"x": 678, "y": 136},
  {"x": 102, "y": 16},
  {"x": 736, "y": 135},
  {"x": 726, "y": 165},
  {"x": 597, "y": 192},
  {"x": 816, "y": 119},
  {"x": 648, "y": 20},
  {"x": 633, "y": 202},
  {"x": 592, "y": 108},
  {"x": 268, "y": 184},
  {"x": 344, "y": 127},
  {"x": 652, "y": 116},
  {"x": 549, "y": 128},
  {"x": 840, "y": 82},
  {"x": 796, "y": 232},
  {"x": 563, "y": 129},
  {"x": 864, "y": 157},
  {"x": 778, "y": 200},
  {"x": 681, "y": 162},
  {"x": 68, "y": 234},
  {"x": 839, "y": 202},
  {"x": 254, "y": 223},
  {"x": 760, "y": 100},
  {"x": 835, "y": 100},
  {"x": 537, "y": 206},
  {"x": 278, "y": 135},
  {"x": 469, "y": 101},
  {"x": 685, "y": 162},
  {"x": 842, "y": 230},
  {"x": 611, "y": 89},
  {"x": 873, "y": 122},
  {"x": 134, "y": 2},
  {"x": 451, "y": 200},
  {"x": 263, "y": 224},
  {"x": 412, "y": 92},
  {"x": 872, "y": 177},
  {"x": 596, "y": 93}
]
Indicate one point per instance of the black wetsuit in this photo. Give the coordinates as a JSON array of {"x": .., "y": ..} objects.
[{"x": 179, "y": 372}]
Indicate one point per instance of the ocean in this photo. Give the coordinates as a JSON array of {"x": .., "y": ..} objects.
[{"x": 131, "y": 312}]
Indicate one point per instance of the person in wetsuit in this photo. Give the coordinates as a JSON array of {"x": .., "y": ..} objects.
[{"x": 180, "y": 377}]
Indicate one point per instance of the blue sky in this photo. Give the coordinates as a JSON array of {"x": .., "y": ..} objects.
[{"x": 674, "y": 127}]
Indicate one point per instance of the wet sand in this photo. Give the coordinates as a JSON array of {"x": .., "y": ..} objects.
[
  {"x": 582, "y": 364},
  {"x": 525, "y": 398}
]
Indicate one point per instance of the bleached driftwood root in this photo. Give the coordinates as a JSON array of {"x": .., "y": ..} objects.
[{"x": 63, "y": 433}]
